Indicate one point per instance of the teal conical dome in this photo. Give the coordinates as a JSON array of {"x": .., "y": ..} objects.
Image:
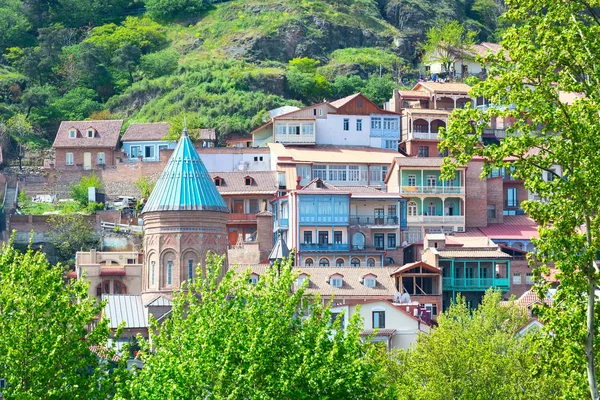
[{"x": 185, "y": 183}]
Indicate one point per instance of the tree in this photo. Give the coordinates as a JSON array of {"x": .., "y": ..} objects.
[
  {"x": 77, "y": 104},
  {"x": 474, "y": 354},
  {"x": 304, "y": 80},
  {"x": 37, "y": 97},
  {"x": 145, "y": 186},
  {"x": 171, "y": 9},
  {"x": 20, "y": 130},
  {"x": 448, "y": 43},
  {"x": 379, "y": 89},
  {"x": 79, "y": 191},
  {"x": 71, "y": 233},
  {"x": 46, "y": 332},
  {"x": 255, "y": 341},
  {"x": 14, "y": 26},
  {"x": 161, "y": 63},
  {"x": 127, "y": 57},
  {"x": 549, "y": 87}
]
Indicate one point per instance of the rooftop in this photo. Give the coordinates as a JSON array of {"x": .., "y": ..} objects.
[
  {"x": 125, "y": 308},
  {"x": 263, "y": 182},
  {"x": 438, "y": 87},
  {"x": 473, "y": 252},
  {"x": 332, "y": 154},
  {"x": 106, "y": 134},
  {"x": 185, "y": 183},
  {"x": 146, "y": 132}
]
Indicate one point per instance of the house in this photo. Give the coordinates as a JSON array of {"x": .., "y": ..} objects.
[
  {"x": 341, "y": 225},
  {"x": 338, "y": 165},
  {"x": 146, "y": 141},
  {"x": 465, "y": 64},
  {"x": 239, "y": 141},
  {"x": 207, "y": 138},
  {"x": 110, "y": 272},
  {"x": 383, "y": 321},
  {"x": 422, "y": 283},
  {"x": 351, "y": 121},
  {"x": 86, "y": 144}
]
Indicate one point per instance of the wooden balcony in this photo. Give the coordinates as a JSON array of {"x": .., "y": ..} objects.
[{"x": 241, "y": 218}]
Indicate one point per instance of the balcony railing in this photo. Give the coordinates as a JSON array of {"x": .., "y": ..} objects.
[
  {"x": 282, "y": 223},
  {"x": 324, "y": 247},
  {"x": 432, "y": 189},
  {"x": 241, "y": 217},
  {"x": 450, "y": 283},
  {"x": 437, "y": 219},
  {"x": 425, "y": 135},
  {"x": 358, "y": 219},
  {"x": 371, "y": 248},
  {"x": 499, "y": 133},
  {"x": 302, "y": 138}
]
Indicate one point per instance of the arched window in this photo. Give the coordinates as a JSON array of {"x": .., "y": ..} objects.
[
  {"x": 309, "y": 262},
  {"x": 152, "y": 271},
  {"x": 411, "y": 208},
  {"x": 530, "y": 247},
  {"x": 168, "y": 269},
  {"x": 190, "y": 261},
  {"x": 371, "y": 262},
  {"x": 355, "y": 262},
  {"x": 431, "y": 208},
  {"x": 324, "y": 262},
  {"x": 339, "y": 262},
  {"x": 517, "y": 245},
  {"x": 449, "y": 207},
  {"x": 119, "y": 287},
  {"x": 358, "y": 241}
]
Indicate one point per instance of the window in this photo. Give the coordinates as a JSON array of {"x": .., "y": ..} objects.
[
  {"x": 324, "y": 262},
  {"x": 355, "y": 262},
  {"x": 279, "y": 128},
  {"x": 378, "y": 172},
  {"x": 308, "y": 237},
  {"x": 370, "y": 262},
  {"x": 358, "y": 241},
  {"x": 337, "y": 237},
  {"x": 135, "y": 151},
  {"x": 339, "y": 262},
  {"x": 320, "y": 112},
  {"x": 391, "y": 211},
  {"x": 390, "y": 144},
  {"x": 337, "y": 172},
  {"x": 370, "y": 281},
  {"x": 391, "y": 240},
  {"x": 169, "y": 272},
  {"x": 148, "y": 151},
  {"x": 491, "y": 211},
  {"x": 346, "y": 124},
  {"x": 335, "y": 316},
  {"x": 336, "y": 281},
  {"x": 309, "y": 262},
  {"x": 379, "y": 239},
  {"x": 323, "y": 238},
  {"x": 529, "y": 278},
  {"x": 69, "y": 159},
  {"x": 320, "y": 171},
  {"x": 511, "y": 197},
  {"x": 411, "y": 209},
  {"x": 412, "y": 180},
  {"x": 252, "y": 206},
  {"x": 431, "y": 208},
  {"x": 359, "y": 125},
  {"x": 101, "y": 160},
  {"x": 300, "y": 280},
  {"x": 72, "y": 133},
  {"x": 423, "y": 151},
  {"x": 432, "y": 308},
  {"x": 431, "y": 180},
  {"x": 390, "y": 124},
  {"x": 308, "y": 129},
  {"x": 152, "y": 269},
  {"x": 218, "y": 182},
  {"x": 378, "y": 319},
  {"x": 516, "y": 278},
  {"x": 191, "y": 269},
  {"x": 253, "y": 279},
  {"x": 90, "y": 133},
  {"x": 247, "y": 181},
  {"x": 303, "y": 171},
  {"x": 314, "y": 111},
  {"x": 375, "y": 123},
  {"x": 119, "y": 288},
  {"x": 293, "y": 129}
]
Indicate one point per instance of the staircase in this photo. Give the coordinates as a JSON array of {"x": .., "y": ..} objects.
[{"x": 10, "y": 197}]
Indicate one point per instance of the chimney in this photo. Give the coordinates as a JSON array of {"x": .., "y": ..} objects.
[{"x": 298, "y": 180}]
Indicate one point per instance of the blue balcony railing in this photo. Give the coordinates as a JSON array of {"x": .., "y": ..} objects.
[
  {"x": 474, "y": 284},
  {"x": 324, "y": 247}
]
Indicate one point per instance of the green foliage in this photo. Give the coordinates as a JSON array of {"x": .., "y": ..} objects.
[
  {"x": 14, "y": 26},
  {"x": 304, "y": 81},
  {"x": 79, "y": 191},
  {"x": 448, "y": 43},
  {"x": 46, "y": 332},
  {"x": 23, "y": 199},
  {"x": 363, "y": 61},
  {"x": 160, "y": 63},
  {"x": 171, "y": 9},
  {"x": 474, "y": 354},
  {"x": 59, "y": 207},
  {"x": 556, "y": 137},
  {"x": 71, "y": 233},
  {"x": 145, "y": 186},
  {"x": 257, "y": 341},
  {"x": 76, "y": 104},
  {"x": 141, "y": 32}
]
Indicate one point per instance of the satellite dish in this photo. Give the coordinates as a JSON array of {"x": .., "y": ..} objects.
[
  {"x": 397, "y": 297},
  {"x": 241, "y": 167},
  {"x": 405, "y": 298}
]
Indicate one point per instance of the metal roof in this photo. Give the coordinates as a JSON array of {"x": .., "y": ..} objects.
[
  {"x": 185, "y": 183},
  {"x": 160, "y": 301},
  {"x": 280, "y": 250},
  {"x": 125, "y": 308}
]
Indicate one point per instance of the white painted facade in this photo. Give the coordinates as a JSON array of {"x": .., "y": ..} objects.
[{"x": 239, "y": 161}]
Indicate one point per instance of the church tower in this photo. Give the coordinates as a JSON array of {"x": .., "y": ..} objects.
[{"x": 184, "y": 219}]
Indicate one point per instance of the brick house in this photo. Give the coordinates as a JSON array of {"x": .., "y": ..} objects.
[{"x": 86, "y": 144}]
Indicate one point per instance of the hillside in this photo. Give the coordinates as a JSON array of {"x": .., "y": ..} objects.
[{"x": 222, "y": 65}]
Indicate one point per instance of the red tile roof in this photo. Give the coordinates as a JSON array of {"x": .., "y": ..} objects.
[
  {"x": 112, "y": 272},
  {"x": 150, "y": 131},
  {"x": 106, "y": 135},
  {"x": 507, "y": 231},
  {"x": 530, "y": 297},
  {"x": 234, "y": 182}
]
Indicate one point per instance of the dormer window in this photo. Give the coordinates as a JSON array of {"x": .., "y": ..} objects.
[
  {"x": 336, "y": 280},
  {"x": 253, "y": 279},
  {"x": 301, "y": 279},
  {"x": 218, "y": 181},
  {"x": 91, "y": 132},
  {"x": 248, "y": 181},
  {"x": 369, "y": 280},
  {"x": 72, "y": 133},
  {"x": 319, "y": 184}
]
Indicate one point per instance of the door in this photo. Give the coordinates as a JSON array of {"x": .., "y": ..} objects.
[
  {"x": 233, "y": 236},
  {"x": 87, "y": 160},
  {"x": 379, "y": 216}
]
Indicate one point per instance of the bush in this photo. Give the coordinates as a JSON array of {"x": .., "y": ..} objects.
[
  {"x": 161, "y": 63},
  {"x": 169, "y": 9},
  {"x": 79, "y": 191}
]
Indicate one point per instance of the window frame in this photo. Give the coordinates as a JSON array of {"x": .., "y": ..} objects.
[
  {"x": 101, "y": 160},
  {"x": 72, "y": 157},
  {"x": 346, "y": 124},
  {"x": 380, "y": 319},
  {"x": 359, "y": 125}
]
